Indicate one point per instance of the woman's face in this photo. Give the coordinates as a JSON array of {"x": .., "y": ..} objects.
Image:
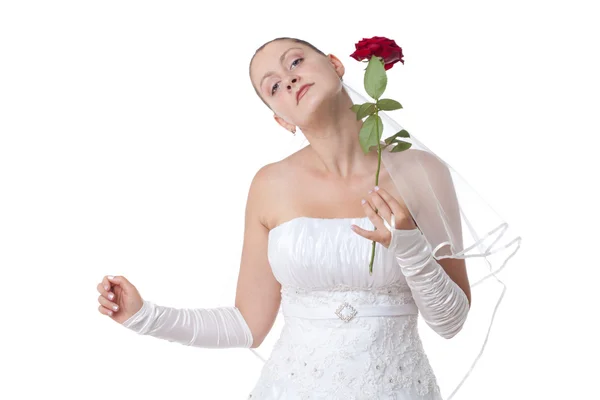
[{"x": 282, "y": 68}]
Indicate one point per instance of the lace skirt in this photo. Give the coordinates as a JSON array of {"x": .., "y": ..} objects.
[{"x": 375, "y": 357}]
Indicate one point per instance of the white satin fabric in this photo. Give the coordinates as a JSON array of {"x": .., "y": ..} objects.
[{"x": 347, "y": 335}]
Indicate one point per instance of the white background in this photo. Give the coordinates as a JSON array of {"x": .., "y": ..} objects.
[{"x": 130, "y": 132}]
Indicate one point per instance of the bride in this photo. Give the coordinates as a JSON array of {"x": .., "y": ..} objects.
[{"x": 309, "y": 225}]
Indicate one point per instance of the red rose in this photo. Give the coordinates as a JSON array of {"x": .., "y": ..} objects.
[{"x": 381, "y": 47}]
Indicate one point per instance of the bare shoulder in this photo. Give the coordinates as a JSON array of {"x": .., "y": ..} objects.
[
  {"x": 270, "y": 186},
  {"x": 264, "y": 190},
  {"x": 418, "y": 158},
  {"x": 260, "y": 192}
]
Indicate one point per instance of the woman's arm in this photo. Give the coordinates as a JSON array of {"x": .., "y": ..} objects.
[
  {"x": 258, "y": 294},
  {"x": 440, "y": 288},
  {"x": 443, "y": 304}
]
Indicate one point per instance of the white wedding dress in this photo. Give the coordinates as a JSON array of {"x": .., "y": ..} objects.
[{"x": 347, "y": 335}]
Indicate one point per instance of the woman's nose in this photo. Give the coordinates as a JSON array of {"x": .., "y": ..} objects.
[{"x": 293, "y": 81}]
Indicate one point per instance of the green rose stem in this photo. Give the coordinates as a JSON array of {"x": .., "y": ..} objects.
[
  {"x": 372, "y": 129},
  {"x": 376, "y": 184}
]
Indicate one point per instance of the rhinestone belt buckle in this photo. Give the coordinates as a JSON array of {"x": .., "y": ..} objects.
[{"x": 350, "y": 313}]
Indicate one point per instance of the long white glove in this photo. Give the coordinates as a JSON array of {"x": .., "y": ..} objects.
[
  {"x": 222, "y": 327},
  {"x": 441, "y": 302}
]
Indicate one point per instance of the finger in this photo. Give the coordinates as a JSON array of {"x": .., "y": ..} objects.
[
  {"x": 106, "y": 282},
  {"x": 383, "y": 210},
  {"x": 369, "y": 209},
  {"x": 375, "y": 219},
  {"x": 104, "y": 292},
  {"x": 105, "y": 311},
  {"x": 120, "y": 281},
  {"x": 107, "y": 303},
  {"x": 363, "y": 232},
  {"x": 393, "y": 204},
  {"x": 399, "y": 210}
]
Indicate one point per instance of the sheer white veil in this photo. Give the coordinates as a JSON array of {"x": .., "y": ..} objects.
[{"x": 458, "y": 223}]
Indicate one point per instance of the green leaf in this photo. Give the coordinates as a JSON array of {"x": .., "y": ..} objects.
[
  {"x": 388, "y": 105},
  {"x": 375, "y": 78},
  {"x": 365, "y": 110},
  {"x": 355, "y": 107},
  {"x": 370, "y": 132},
  {"x": 394, "y": 137},
  {"x": 401, "y": 146}
]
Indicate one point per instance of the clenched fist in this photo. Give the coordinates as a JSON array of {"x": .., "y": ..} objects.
[{"x": 118, "y": 299}]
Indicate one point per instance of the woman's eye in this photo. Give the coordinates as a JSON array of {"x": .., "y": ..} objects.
[{"x": 297, "y": 59}]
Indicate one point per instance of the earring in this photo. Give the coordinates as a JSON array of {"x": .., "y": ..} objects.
[{"x": 294, "y": 131}]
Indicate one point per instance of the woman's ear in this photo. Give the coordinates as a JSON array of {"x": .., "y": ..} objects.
[
  {"x": 282, "y": 122},
  {"x": 337, "y": 65}
]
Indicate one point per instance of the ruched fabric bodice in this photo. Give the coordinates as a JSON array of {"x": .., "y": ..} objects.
[{"x": 347, "y": 334}]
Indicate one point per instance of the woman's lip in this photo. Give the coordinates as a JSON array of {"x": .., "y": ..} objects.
[{"x": 302, "y": 91}]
